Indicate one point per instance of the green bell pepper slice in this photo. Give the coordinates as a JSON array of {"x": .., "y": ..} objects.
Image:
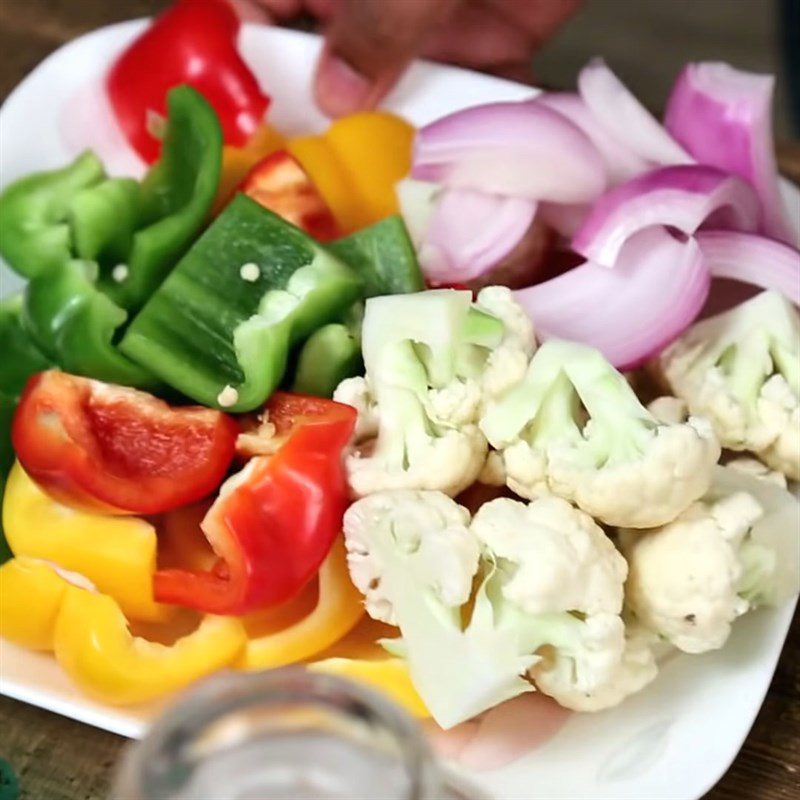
[
  {"x": 21, "y": 359},
  {"x": 331, "y": 354},
  {"x": 104, "y": 218},
  {"x": 383, "y": 256},
  {"x": 35, "y": 234},
  {"x": 177, "y": 195},
  {"x": 220, "y": 327},
  {"x": 74, "y": 324}
]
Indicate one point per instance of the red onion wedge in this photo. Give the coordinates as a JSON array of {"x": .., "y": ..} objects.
[
  {"x": 621, "y": 162},
  {"x": 512, "y": 149},
  {"x": 471, "y": 232},
  {"x": 630, "y": 313},
  {"x": 748, "y": 258},
  {"x": 682, "y": 197},
  {"x": 564, "y": 218},
  {"x": 722, "y": 116},
  {"x": 625, "y": 118}
]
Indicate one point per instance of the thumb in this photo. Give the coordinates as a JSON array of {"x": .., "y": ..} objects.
[{"x": 368, "y": 45}]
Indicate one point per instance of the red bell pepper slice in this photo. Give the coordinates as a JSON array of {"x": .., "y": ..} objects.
[
  {"x": 280, "y": 183},
  {"x": 192, "y": 42},
  {"x": 103, "y": 447},
  {"x": 275, "y": 521}
]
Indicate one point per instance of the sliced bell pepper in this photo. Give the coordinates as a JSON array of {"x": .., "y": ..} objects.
[
  {"x": 280, "y": 184},
  {"x": 220, "y": 327},
  {"x": 103, "y": 219},
  {"x": 35, "y": 235},
  {"x": 94, "y": 646},
  {"x": 31, "y": 592},
  {"x": 356, "y": 164},
  {"x": 238, "y": 161},
  {"x": 177, "y": 194},
  {"x": 322, "y": 614},
  {"x": 74, "y": 323},
  {"x": 359, "y": 657},
  {"x": 330, "y": 355},
  {"x": 274, "y": 522},
  {"x": 21, "y": 360},
  {"x": 109, "y": 448},
  {"x": 117, "y": 554},
  {"x": 383, "y": 257},
  {"x": 195, "y": 43}
]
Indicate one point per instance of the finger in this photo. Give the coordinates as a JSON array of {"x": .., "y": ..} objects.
[{"x": 368, "y": 44}]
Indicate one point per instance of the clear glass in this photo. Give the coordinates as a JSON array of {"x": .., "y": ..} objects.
[{"x": 286, "y": 734}]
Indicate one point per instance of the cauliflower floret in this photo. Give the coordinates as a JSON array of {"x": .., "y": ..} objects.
[
  {"x": 630, "y": 673},
  {"x": 430, "y": 359},
  {"x": 669, "y": 410},
  {"x": 547, "y": 599},
  {"x": 575, "y": 428},
  {"x": 741, "y": 370},
  {"x": 690, "y": 579},
  {"x": 553, "y": 556},
  {"x": 508, "y": 361},
  {"x": 430, "y": 529}
]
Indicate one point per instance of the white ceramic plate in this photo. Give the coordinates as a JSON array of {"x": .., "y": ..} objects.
[{"x": 671, "y": 742}]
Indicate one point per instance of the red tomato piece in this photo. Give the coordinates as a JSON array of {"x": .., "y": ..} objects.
[
  {"x": 98, "y": 446},
  {"x": 192, "y": 42},
  {"x": 280, "y": 184}
]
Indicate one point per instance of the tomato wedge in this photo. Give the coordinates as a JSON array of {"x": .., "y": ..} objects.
[
  {"x": 274, "y": 522},
  {"x": 98, "y": 446},
  {"x": 280, "y": 184}
]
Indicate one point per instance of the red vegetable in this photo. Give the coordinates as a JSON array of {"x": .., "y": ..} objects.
[
  {"x": 275, "y": 521},
  {"x": 192, "y": 42},
  {"x": 280, "y": 184},
  {"x": 99, "y": 446}
]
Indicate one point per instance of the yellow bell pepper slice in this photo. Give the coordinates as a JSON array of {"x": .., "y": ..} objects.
[
  {"x": 31, "y": 592},
  {"x": 95, "y": 648},
  {"x": 358, "y": 656},
  {"x": 117, "y": 554},
  {"x": 375, "y": 149},
  {"x": 306, "y": 625},
  {"x": 238, "y": 161},
  {"x": 356, "y": 163}
]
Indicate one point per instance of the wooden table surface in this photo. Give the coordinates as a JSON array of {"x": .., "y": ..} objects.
[{"x": 58, "y": 759}]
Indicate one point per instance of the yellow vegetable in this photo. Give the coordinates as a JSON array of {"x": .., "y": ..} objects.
[
  {"x": 117, "y": 554},
  {"x": 95, "y": 648},
  {"x": 306, "y": 625},
  {"x": 356, "y": 163},
  {"x": 30, "y": 597},
  {"x": 358, "y": 656}
]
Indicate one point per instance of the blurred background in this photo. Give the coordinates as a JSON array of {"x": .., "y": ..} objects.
[{"x": 645, "y": 41}]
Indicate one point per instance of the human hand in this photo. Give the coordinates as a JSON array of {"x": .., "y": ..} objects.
[{"x": 369, "y": 43}]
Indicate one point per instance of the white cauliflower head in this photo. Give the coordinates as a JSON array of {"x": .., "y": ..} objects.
[
  {"x": 553, "y": 557},
  {"x": 634, "y": 669},
  {"x": 431, "y": 359},
  {"x": 432, "y": 532},
  {"x": 575, "y": 428},
  {"x": 741, "y": 370},
  {"x": 690, "y": 579}
]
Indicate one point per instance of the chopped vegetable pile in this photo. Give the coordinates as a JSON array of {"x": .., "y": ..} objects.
[{"x": 450, "y": 411}]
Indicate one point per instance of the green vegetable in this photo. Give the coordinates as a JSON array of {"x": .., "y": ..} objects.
[
  {"x": 177, "y": 195},
  {"x": 104, "y": 218},
  {"x": 330, "y": 355},
  {"x": 35, "y": 233},
  {"x": 251, "y": 287},
  {"x": 74, "y": 324},
  {"x": 21, "y": 359},
  {"x": 383, "y": 256}
]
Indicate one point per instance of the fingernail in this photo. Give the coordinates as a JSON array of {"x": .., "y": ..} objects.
[{"x": 339, "y": 88}]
